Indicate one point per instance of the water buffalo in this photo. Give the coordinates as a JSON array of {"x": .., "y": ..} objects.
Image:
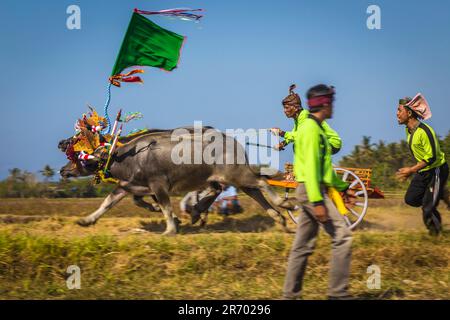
[{"x": 149, "y": 165}]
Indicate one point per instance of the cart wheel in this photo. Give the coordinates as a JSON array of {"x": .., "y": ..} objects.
[{"x": 358, "y": 211}]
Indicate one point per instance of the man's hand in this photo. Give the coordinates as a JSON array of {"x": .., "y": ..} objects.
[
  {"x": 280, "y": 146},
  {"x": 275, "y": 131},
  {"x": 403, "y": 173},
  {"x": 320, "y": 211}
]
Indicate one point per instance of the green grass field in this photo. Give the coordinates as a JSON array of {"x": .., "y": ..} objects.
[{"x": 243, "y": 256}]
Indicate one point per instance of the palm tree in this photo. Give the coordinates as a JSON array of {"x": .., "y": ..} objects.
[
  {"x": 15, "y": 174},
  {"x": 47, "y": 172},
  {"x": 366, "y": 143}
]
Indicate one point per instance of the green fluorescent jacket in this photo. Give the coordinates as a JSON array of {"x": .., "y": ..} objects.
[
  {"x": 425, "y": 146},
  {"x": 312, "y": 160},
  {"x": 332, "y": 136}
]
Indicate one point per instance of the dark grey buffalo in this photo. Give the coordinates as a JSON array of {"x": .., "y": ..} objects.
[{"x": 162, "y": 163}]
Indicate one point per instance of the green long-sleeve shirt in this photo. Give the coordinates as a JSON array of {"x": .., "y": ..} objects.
[
  {"x": 312, "y": 160},
  {"x": 424, "y": 146},
  {"x": 332, "y": 136}
]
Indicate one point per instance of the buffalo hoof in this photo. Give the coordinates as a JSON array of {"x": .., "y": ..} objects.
[
  {"x": 195, "y": 217},
  {"x": 288, "y": 205},
  {"x": 153, "y": 208},
  {"x": 283, "y": 223},
  {"x": 85, "y": 223},
  {"x": 287, "y": 230},
  {"x": 170, "y": 233},
  {"x": 177, "y": 224}
]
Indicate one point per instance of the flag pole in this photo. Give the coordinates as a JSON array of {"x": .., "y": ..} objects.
[{"x": 111, "y": 151}]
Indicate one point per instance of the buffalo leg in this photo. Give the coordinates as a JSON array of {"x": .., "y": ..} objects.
[
  {"x": 206, "y": 199},
  {"x": 111, "y": 200},
  {"x": 276, "y": 199},
  {"x": 139, "y": 201},
  {"x": 257, "y": 195},
  {"x": 163, "y": 199}
]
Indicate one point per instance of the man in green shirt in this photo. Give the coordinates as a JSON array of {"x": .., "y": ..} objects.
[
  {"x": 431, "y": 170},
  {"x": 315, "y": 174},
  {"x": 292, "y": 106}
]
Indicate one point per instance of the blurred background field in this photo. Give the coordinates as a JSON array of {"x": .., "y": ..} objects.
[{"x": 241, "y": 256}]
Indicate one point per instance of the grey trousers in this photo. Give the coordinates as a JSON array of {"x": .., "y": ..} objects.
[{"x": 304, "y": 244}]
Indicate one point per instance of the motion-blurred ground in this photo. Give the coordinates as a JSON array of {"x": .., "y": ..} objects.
[{"x": 242, "y": 256}]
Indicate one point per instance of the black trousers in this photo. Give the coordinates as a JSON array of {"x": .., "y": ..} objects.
[{"x": 425, "y": 191}]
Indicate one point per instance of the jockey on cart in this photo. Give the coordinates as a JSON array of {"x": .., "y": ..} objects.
[{"x": 292, "y": 106}]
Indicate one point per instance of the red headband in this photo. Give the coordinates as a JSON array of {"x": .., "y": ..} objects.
[{"x": 319, "y": 101}]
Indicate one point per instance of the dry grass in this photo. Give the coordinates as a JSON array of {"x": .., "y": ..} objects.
[{"x": 240, "y": 257}]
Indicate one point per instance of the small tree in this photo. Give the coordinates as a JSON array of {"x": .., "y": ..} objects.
[
  {"x": 21, "y": 183},
  {"x": 47, "y": 172},
  {"x": 15, "y": 175}
]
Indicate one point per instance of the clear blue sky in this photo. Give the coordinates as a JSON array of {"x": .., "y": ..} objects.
[{"x": 236, "y": 67}]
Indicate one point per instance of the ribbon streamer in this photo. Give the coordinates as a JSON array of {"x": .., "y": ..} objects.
[
  {"x": 131, "y": 116},
  {"x": 127, "y": 77},
  {"x": 106, "y": 107},
  {"x": 182, "y": 13}
]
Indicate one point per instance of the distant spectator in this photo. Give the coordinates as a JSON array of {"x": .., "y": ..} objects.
[
  {"x": 188, "y": 202},
  {"x": 227, "y": 202}
]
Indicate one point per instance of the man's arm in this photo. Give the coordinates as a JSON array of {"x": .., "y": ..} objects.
[
  {"x": 403, "y": 173},
  {"x": 332, "y": 137},
  {"x": 289, "y": 136},
  {"x": 308, "y": 137},
  {"x": 308, "y": 140},
  {"x": 338, "y": 184},
  {"x": 428, "y": 144},
  {"x": 184, "y": 201},
  {"x": 281, "y": 134}
]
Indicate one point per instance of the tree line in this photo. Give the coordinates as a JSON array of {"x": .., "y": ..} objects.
[{"x": 24, "y": 184}]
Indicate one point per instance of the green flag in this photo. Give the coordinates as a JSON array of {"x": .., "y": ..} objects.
[{"x": 147, "y": 44}]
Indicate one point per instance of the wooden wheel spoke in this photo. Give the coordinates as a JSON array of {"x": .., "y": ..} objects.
[
  {"x": 353, "y": 212},
  {"x": 359, "y": 193},
  {"x": 345, "y": 176},
  {"x": 354, "y": 183},
  {"x": 347, "y": 220}
]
